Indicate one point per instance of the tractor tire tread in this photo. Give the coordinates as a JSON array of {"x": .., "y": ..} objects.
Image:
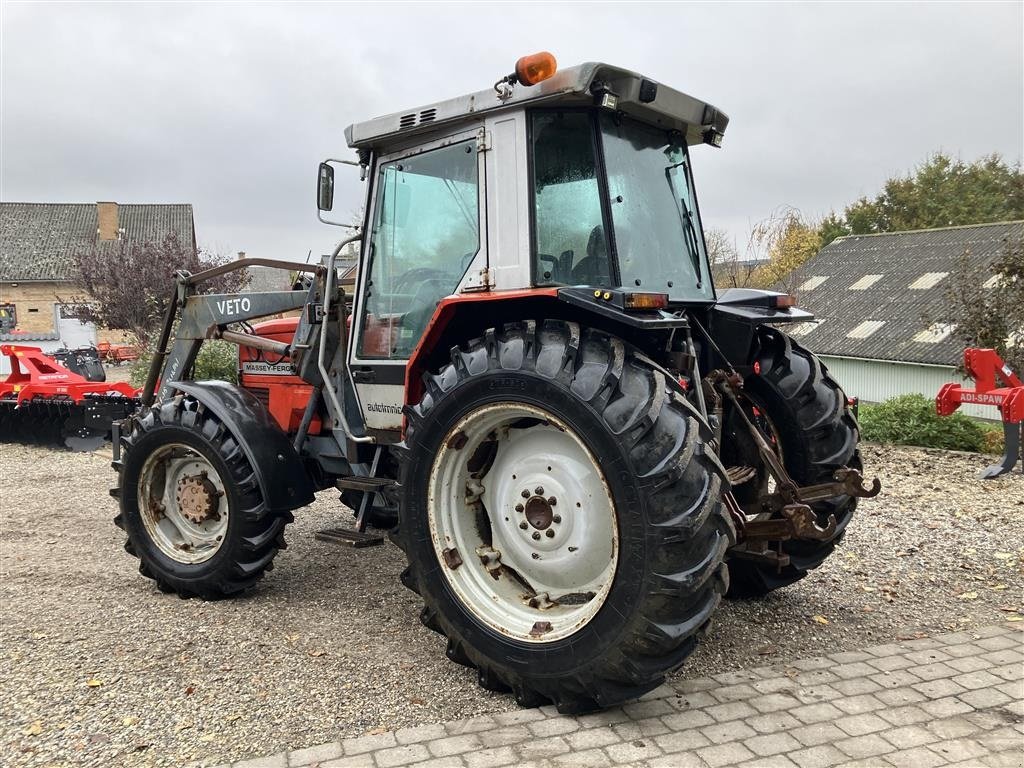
[
  {"x": 671, "y": 459},
  {"x": 258, "y": 532},
  {"x": 812, "y": 410}
]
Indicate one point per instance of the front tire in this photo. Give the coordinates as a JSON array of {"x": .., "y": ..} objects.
[
  {"x": 560, "y": 511},
  {"x": 191, "y": 505},
  {"x": 807, "y": 414}
]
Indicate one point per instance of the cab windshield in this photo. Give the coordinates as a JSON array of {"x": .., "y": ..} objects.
[{"x": 614, "y": 206}]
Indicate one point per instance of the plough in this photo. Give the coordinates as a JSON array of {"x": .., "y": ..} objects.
[
  {"x": 988, "y": 370},
  {"x": 44, "y": 403}
]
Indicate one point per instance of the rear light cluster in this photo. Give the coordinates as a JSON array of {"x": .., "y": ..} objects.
[
  {"x": 645, "y": 301},
  {"x": 633, "y": 301},
  {"x": 782, "y": 301}
]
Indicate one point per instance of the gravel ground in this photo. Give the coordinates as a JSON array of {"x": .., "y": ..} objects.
[{"x": 100, "y": 669}]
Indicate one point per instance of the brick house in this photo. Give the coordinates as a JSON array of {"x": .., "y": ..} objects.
[{"x": 38, "y": 242}]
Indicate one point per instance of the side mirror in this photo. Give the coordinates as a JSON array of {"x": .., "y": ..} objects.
[{"x": 325, "y": 187}]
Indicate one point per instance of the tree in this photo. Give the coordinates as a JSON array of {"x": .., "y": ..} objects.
[
  {"x": 993, "y": 316},
  {"x": 728, "y": 269},
  {"x": 788, "y": 240},
  {"x": 129, "y": 287},
  {"x": 942, "y": 192},
  {"x": 831, "y": 227}
]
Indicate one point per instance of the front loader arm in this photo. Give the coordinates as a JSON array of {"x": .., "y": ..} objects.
[{"x": 192, "y": 318}]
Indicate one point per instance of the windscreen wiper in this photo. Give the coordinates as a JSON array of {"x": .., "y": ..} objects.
[{"x": 686, "y": 219}]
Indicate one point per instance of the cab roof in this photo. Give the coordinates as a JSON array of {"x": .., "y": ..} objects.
[{"x": 639, "y": 96}]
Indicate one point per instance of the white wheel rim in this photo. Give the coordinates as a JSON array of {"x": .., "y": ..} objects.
[
  {"x": 172, "y": 474},
  {"x": 547, "y": 568}
]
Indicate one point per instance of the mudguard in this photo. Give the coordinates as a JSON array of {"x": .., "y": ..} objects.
[
  {"x": 739, "y": 312},
  {"x": 283, "y": 480}
]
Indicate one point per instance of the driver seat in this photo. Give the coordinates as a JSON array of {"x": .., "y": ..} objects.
[{"x": 593, "y": 269}]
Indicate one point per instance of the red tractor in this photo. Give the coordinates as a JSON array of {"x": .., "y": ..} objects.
[{"x": 583, "y": 445}]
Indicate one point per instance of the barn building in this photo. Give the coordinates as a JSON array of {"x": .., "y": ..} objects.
[
  {"x": 879, "y": 304},
  {"x": 38, "y": 243}
]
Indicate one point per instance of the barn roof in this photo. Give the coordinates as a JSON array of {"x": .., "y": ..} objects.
[
  {"x": 883, "y": 297},
  {"x": 38, "y": 241}
]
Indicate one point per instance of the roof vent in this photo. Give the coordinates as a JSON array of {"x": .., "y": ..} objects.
[
  {"x": 927, "y": 280},
  {"x": 812, "y": 283},
  {"x": 865, "y": 329},
  {"x": 865, "y": 282},
  {"x": 412, "y": 119}
]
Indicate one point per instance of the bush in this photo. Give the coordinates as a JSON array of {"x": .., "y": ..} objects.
[
  {"x": 912, "y": 420},
  {"x": 216, "y": 360},
  {"x": 995, "y": 439}
]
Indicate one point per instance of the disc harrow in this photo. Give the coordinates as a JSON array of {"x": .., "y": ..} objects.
[{"x": 44, "y": 403}]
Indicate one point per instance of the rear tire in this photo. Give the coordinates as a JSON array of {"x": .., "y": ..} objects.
[
  {"x": 580, "y": 394},
  {"x": 818, "y": 435},
  {"x": 191, "y": 505}
]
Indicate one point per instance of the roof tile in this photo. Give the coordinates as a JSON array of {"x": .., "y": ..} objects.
[
  {"x": 900, "y": 258},
  {"x": 38, "y": 241}
]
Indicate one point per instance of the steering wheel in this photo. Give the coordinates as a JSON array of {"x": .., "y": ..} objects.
[{"x": 418, "y": 275}]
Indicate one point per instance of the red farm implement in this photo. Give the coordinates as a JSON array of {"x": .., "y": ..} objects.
[
  {"x": 115, "y": 354},
  {"x": 996, "y": 384},
  {"x": 41, "y": 402}
]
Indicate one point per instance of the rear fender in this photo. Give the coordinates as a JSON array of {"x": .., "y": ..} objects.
[
  {"x": 282, "y": 478},
  {"x": 736, "y": 317},
  {"x": 459, "y": 318}
]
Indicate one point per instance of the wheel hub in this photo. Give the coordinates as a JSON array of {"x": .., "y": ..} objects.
[
  {"x": 197, "y": 498},
  {"x": 539, "y": 513}
]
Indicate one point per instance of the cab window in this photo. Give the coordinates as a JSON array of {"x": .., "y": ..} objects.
[
  {"x": 424, "y": 236},
  {"x": 570, "y": 242}
]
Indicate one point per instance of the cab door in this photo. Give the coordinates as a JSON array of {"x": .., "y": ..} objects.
[{"x": 425, "y": 232}]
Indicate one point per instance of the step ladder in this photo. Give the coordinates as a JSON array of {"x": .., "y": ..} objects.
[{"x": 370, "y": 486}]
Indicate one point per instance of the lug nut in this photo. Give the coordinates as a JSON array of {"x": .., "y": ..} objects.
[
  {"x": 556, "y": 519},
  {"x": 552, "y": 500},
  {"x": 526, "y": 494},
  {"x": 539, "y": 490},
  {"x": 523, "y": 525},
  {"x": 549, "y": 533},
  {"x": 520, "y": 507},
  {"x": 536, "y": 535}
]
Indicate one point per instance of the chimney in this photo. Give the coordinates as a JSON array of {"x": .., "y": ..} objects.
[
  {"x": 106, "y": 217},
  {"x": 241, "y": 254}
]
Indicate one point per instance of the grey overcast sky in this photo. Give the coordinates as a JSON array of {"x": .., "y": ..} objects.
[{"x": 231, "y": 106}]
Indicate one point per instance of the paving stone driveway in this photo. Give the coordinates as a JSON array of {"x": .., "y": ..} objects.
[{"x": 954, "y": 699}]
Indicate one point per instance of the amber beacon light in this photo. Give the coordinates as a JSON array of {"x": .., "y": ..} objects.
[
  {"x": 535, "y": 68},
  {"x": 530, "y": 70}
]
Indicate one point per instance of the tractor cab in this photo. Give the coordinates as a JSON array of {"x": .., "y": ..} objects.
[
  {"x": 550, "y": 182},
  {"x": 551, "y": 178}
]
